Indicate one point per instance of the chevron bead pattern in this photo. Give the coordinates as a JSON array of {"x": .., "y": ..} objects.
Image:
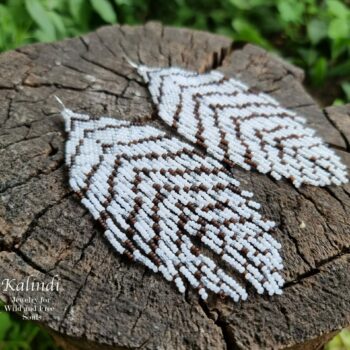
[
  {"x": 240, "y": 127},
  {"x": 164, "y": 205}
]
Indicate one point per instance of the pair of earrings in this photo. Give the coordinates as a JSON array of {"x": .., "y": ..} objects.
[{"x": 167, "y": 206}]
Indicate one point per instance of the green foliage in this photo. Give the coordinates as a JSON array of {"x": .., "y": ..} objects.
[
  {"x": 314, "y": 34},
  {"x": 105, "y": 10},
  {"x": 340, "y": 342},
  {"x": 16, "y": 334}
]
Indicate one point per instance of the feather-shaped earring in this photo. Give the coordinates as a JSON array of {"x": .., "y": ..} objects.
[
  {"x": 163, "y": 204},
  {"x": 238, "y": 126}
]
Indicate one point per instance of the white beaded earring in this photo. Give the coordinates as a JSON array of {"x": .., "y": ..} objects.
[
  {"x": 160, "y": 203},
  {"x": 238, "y": 126}
]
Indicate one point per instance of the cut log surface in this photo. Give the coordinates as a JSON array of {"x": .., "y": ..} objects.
[{"x": 106, "y": 302}]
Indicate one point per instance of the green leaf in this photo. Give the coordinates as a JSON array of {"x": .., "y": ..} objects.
[
  {"x": 75, "y": 8},
  {"x": 291, "y": 11},
  {"x": 338, "y": 28},
  {"x": 346, "y": 88},
  {"x": 124, "y": 2},
  {"x": 337, "y": 343},
  {"x": 345, "y": 334},
  {"x": 340, "y": 70},
  {"x": 5, "y": 323},
  {"x": 4, "y": 11},
  {"x": 58, "y": 22},
  {"x": 41, "y": 36},
  {"x": 309, "y": 56},
  {"x": 337, "y": 9},
  {"x": 218, "y": 15},
  {"x": 329, "y": 346},
  {"x": 247, "y": 32},
  {"x": 241, "y": 4},
  {"x": 80, "y": 11},
  {"x": 319, "y": 71},
  {"x": 339, "y": 47},
  {"x": 105, "y": 10},
  {"x": 316, "y": 30},
  {"x": 41, "y": 18}
]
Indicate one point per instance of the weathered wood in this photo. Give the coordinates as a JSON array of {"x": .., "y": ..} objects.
[{"x": 104, "y": 301}]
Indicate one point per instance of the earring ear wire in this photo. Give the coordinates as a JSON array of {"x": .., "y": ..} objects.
[{"x": 131, "y": 63}]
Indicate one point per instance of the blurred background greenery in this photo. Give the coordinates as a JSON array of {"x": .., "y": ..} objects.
[
  {"x": 16, "y": 334},
  {"x": 313, "y": 34}
]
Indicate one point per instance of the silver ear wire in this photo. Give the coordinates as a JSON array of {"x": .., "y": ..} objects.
[
  {"x": 132, "y": 63},
  {"x": 60, "y": 102},
  {"x": 68, "y": 114}
]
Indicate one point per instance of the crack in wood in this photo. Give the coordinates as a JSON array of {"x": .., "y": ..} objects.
[{"x": 346, "y": 141}]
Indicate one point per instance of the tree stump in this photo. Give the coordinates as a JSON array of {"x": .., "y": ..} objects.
[{"x": 106, "y": 302}]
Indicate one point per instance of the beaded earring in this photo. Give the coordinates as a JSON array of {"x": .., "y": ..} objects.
[
  {"x": 238, "y": 126},
  {"x": 164, "y": 205}
]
